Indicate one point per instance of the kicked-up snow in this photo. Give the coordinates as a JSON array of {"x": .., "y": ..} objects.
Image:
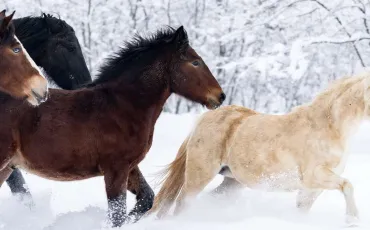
[{"x": 82, "y": 205}]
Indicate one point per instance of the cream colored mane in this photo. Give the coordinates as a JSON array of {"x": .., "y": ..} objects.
[
  {"x": 340, "y": 94},
  {"x": 339, "y": 87}
]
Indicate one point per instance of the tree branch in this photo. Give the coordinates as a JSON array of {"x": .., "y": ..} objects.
[
  {"x": 340, "y": 41},
  {"x": 344, "y": 29}
]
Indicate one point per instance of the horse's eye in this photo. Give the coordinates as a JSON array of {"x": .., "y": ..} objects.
[
  {"x": 16, "y": 50},
  {"x": 195, "y": 63}
]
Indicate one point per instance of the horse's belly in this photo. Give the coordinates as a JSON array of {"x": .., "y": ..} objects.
[
  {"x": 60, "y": 176},
  {"x": 280, "y": 173},
  {"x": 54, "y": 167},
  {"x": 288, "y": 180}
]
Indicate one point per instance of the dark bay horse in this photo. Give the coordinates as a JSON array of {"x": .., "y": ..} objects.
[
  {"x": 19, "y": 76},
  {"x": 53, "y": 45},
  {"x": 107, "y": 128}
]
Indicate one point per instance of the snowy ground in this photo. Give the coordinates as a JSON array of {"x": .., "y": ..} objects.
[{"x": 82, "y": 205}]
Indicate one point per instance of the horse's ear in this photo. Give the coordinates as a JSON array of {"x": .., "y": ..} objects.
[
  {"x": 5, "y": 22},
  {"x": 45, "y": 16},
  {"x": 10, "y": 17},
  {"x": 2, "y": 14},
  {"x": 180, "y": 35},
  {"x": 46, "y": 21}
]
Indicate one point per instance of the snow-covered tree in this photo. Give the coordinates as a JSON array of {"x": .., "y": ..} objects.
[{"x": 269, "y": 55}]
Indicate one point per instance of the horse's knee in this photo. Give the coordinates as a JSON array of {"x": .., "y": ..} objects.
[{"x": 346, "y": 187}]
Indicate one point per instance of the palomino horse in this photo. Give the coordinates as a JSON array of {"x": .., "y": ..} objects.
[
  {"x": 107, "y": 128},
  {"x": 53, "y": 45},
  {"x": 19, "y": 75},
  {"x": 303, "y": 150}
]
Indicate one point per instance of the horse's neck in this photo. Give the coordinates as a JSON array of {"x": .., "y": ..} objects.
[{"x": 147, "y": 97}]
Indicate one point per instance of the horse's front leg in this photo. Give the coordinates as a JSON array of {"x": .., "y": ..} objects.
[
  {"x": 325, "y": 178},
  {"x": 115, "y": 177},
  {"x": 144, "y": 194}
]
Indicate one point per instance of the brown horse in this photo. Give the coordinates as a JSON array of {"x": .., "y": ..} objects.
[
  {"x": 19, "y": 75},
  {"x": 107, "y": 128}
]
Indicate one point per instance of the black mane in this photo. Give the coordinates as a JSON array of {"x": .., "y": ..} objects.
[
  {"x": 138, "y": 54},
  {"x": 45, "y": 25}
]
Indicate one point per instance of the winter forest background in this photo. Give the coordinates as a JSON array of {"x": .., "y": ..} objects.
[{"x": 269, "y": 55}]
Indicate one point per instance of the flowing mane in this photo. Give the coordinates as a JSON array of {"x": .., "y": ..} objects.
[
  {"x": 338, "y": 88},
  {"x": 137, "y": 55},
  {"x": 44, "y": 25},
  {"x": 333, "y": 91}
]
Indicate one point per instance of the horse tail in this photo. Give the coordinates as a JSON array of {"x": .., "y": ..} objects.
[{"x": 172, "y": 180}]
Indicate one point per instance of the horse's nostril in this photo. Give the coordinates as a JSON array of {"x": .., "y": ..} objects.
[{"x": 222, "y": 97}]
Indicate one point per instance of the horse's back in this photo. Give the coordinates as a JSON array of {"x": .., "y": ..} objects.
[{"x": 215, "y": 130}]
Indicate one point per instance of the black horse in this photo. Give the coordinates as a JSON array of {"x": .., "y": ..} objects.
[{"x": 53, "y": 45}]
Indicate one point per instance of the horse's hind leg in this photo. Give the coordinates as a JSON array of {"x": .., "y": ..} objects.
[
  {"x": 18, "y": 185},
  {"x": 16, "y": 182},
  {"x": 144, "y": 194},
  {"x": 198, "y": 174},
  {"x": 306, "y": 198},
  {"x": 227, "y": 185},
  {"x": 324, "y": 178}
]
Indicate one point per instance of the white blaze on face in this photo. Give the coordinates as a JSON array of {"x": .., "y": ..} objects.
[
  {"x": 37, "y": 86},
  {"x": 29, "y": 58}
]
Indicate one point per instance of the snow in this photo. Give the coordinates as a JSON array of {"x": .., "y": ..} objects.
[{"x": 82, "y": 205}]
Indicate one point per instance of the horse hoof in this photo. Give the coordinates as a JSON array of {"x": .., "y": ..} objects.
[
  {"x": 352, "y": 221},
  {"x": 302, "y": 207}
]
